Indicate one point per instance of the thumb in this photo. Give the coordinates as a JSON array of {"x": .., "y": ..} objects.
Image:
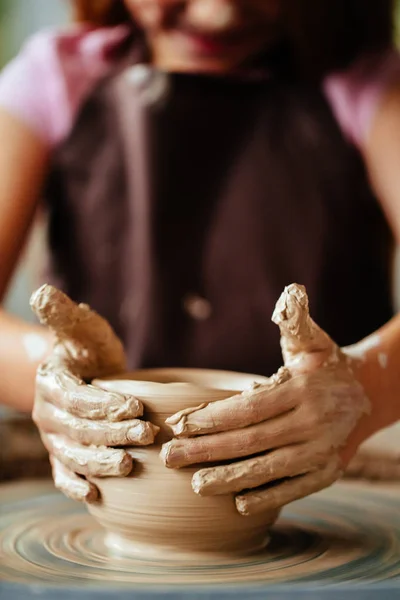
[
  {"x": 85, "y": 342},
  {"x": 305, "y": 346}
]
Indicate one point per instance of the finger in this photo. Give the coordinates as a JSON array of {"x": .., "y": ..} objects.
[
  {"x": 71, "y": 485},
  {"x": 217, "y": 447},
  {"x": 86, "y": 338},
  {"x": 51, "y": 419},
  {"x": 277, "y": 496},
  {"x": 252, "y": 406},
  {"x": 304, "y": 344},
  {"x": 71, "y": 394},
  {"x": 88, "y": 460},
  {"x": 290, "y": 461}
]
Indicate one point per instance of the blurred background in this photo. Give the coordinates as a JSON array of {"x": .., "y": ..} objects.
[{"x": 18, "y": 20}]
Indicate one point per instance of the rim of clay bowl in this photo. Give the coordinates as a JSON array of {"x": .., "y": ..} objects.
[{"x": 180, "y": 381}]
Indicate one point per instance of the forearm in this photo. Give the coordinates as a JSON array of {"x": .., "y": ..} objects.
[
  {"x": 376, "y": 361},
  {"x": 23, "y": 347}
]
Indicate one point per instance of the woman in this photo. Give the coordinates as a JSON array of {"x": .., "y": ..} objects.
[{"x": 250, "y": 151}]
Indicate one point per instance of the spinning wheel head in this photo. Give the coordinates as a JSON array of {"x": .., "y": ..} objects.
[{"x": 348, "y": 534}]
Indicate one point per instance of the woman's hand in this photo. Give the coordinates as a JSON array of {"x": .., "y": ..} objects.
[
  {"x": 287, "y": 439},
  {"x": 79, "y": 423}
]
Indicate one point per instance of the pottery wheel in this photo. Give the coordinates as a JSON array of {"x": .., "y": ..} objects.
[{"x": 348, "y": 535}]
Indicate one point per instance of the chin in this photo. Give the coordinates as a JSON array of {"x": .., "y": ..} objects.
[
  {"x": 210, "y": 67},
  {"x": 185, "y": 56},
  {"x": 205, "y": 65}
]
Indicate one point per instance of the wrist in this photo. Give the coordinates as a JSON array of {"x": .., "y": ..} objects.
[{"x": 371, "y": 367}]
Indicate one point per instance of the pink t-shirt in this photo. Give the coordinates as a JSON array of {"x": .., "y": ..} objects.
[{"x": 47, "y": 82}]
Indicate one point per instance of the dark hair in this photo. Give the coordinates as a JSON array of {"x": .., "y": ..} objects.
[
  {"x": 329, "y": 35},
  {"x": 101, "y": 13},
  {"x": 326, "y": 35}
]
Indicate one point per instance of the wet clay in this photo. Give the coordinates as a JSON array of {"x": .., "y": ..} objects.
[{"x": 154, "y": 512}]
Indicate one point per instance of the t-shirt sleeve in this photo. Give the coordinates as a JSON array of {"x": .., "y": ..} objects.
[
  {"x": 46, "y": 83},
  {"x": 355, "y": 95},
  {"x": 30, "y": 87}
]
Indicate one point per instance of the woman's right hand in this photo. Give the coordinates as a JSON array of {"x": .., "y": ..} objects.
[{"x": 79, "y": 423}]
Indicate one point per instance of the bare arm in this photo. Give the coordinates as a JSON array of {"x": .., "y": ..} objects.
[
  {"x": 23, "y": 162},
  {"x": 379, "y": 370}
]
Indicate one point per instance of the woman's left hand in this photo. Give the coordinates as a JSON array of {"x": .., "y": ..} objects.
[{"x": 286, "y": 439}]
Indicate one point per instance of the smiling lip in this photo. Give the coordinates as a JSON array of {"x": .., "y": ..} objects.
[{"x": 211, "y": 45}]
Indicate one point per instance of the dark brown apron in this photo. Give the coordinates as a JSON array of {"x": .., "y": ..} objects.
[{"x": 180, "y": 206}]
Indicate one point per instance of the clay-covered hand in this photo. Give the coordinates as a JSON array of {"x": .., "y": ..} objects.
[
  {"x": 80, "y": 423},
  {"x": 288, "y": 438}
]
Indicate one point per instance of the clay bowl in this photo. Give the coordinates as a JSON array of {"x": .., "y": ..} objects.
[{"x": 154, "y": 512}]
